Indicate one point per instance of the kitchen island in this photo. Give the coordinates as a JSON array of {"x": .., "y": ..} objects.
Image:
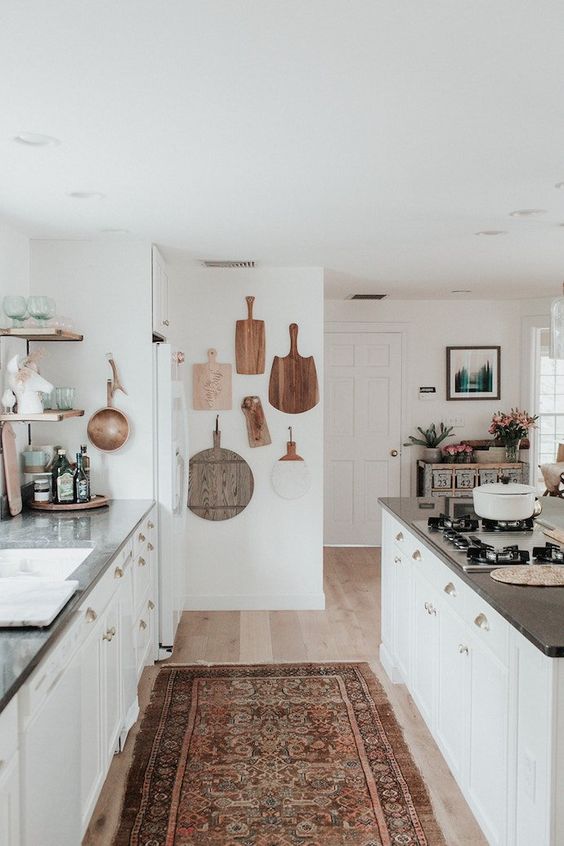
[{"x": 484, "y": 662}]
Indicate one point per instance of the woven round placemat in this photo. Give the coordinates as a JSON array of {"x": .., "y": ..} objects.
[{"x": 540, "y": 575}]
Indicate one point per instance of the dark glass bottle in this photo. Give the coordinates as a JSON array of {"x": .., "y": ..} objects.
[
  {"x": 63, "y": 486},
  {"x": 86, "y": 464},
  {"x": 81, "y": 486}
]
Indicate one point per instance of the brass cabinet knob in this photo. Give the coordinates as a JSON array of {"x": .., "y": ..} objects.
[
  {"x": 90, "y": 615},
  {"x": 482, "y": 622},
  {"x": 150, "y": 546},
  {"x": 141, "y": 561},
  {"x": 142, "y": 537},
  {"x": 118, "y": 573},
  {"x": 397, "y": 560},
  {"x": 110, "y": 634},
  {"x": 150, "y": 525},
  {"x": 142, "y": 624},
  {"x": 399, "y": 536},
  {"x": 450, "y": 589},
  {"x": 166, "y": 322},
  {"x": 463, "y": 649},
  {"x": 394, "y": 453},
  {"x": 417, "y": 555},
  {"x": 151, "y": 604}
]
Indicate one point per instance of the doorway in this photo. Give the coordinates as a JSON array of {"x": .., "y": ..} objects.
[{"x": 363, "y": 422}]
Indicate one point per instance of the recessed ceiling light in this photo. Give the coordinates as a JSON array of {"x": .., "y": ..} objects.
[
  {"x": 86, "y": 195},
  {"x": 35, "y": 139},
  {"x": 559, "y": 185},
  {"x": 526, "y": 212},
  {"x": 461, "y": 291},
  {"x": 491, "y": 232}
]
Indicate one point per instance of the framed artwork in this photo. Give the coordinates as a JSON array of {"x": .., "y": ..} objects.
[{"x": 473, "y": 373}]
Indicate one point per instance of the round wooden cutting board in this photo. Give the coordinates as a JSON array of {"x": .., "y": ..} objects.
[{"x": 221, "y": 483}]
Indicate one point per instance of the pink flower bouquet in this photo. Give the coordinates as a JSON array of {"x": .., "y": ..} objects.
[{"x": 458, "y": 454}]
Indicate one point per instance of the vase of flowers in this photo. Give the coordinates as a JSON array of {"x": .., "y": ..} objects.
[
  {"x": 509, "y": 428},
  {"x": 458, "y": 454}
]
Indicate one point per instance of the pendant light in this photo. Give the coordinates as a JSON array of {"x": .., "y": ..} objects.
[{"x": 557, "y": 327}]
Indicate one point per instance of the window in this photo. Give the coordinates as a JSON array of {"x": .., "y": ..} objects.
[{"x": 550, "y": 386}]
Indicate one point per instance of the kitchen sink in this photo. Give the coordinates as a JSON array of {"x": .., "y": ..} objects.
[{"x": 51, "y": 564}]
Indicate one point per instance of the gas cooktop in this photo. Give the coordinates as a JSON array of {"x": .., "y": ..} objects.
[{"x": 480, "y": 546}]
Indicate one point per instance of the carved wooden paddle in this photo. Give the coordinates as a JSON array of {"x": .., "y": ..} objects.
[
  {"x": 249, "y": 343},
  {"x": 293, "y": 380}
]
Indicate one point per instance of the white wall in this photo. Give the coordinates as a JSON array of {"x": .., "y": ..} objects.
[
  {"x": 105, "y": 287},
  {"x": 270, "y": 555},
  {"x": 14, "y": 280},
  {"x": 431, "y": 326}
]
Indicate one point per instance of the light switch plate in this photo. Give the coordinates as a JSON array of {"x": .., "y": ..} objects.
[{"x": 457, "y": 422}]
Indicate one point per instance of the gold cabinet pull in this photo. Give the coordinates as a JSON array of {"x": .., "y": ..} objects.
[
  {"x": 150, "y": 546},
  {"x": 482, "y": 622},
  {"x": 151, "y": 604},
  {"x": 399, "y": 536},
  {"x": 118, "y": 573},
  {"x": 142, "y": 537},
  {"x": 463, "y": 649},
  {"x": 150, "y": 524},
  {"x": 450, "y": 589},
  {"x": 417, "y": 555},
  {"x": 141, "y": 561},
  {"x": 90, "y": 615},
  {"x": 142, "y": 624},
  {"x": 110, "y": 634}
]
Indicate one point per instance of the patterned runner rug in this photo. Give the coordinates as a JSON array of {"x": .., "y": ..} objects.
[{"x": 273, "y": 755}]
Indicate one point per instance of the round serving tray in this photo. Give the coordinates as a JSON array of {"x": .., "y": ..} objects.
[{"x": 97, "y": 502}]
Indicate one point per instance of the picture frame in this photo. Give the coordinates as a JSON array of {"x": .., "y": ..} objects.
[{"x": 473, "y": 373}]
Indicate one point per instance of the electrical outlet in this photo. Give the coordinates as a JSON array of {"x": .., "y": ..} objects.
[{"x": 456, "y": 422}]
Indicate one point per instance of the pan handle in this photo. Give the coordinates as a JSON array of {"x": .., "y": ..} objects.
[
  {"x": 116, "y": 383},
  {"x": 109, "y": 393}
]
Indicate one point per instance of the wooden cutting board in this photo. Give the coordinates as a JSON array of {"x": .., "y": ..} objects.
[
  {"x": 212, "y": 385},
  {"x": 257, "y": 427},
  {"x": 221, "y": 483},
  {"x": 11, "y": 469},
  {"x": 290, "y": 476},
  {"x": 293, "y": 380},
  {"x": 249, "y": 343}
]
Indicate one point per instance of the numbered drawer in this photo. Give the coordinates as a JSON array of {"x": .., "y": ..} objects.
[
  {"x": 9, "y": 730},
  {"x": 488, "y": 626}
]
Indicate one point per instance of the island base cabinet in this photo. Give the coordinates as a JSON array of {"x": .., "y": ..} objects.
[
  {"x": 425, "y": 646},
  {"x": 453, "y": 689},
  {"x": 10, "y": 802},
  {"x": 488, "y": 718}
]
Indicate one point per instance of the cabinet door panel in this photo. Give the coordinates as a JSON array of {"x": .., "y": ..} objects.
[
  {"x": 91, "y": 745},
  {"x": 487, "y": 746},
  {"x": 425, "y": 649},
  {"x": 112, "y": 679},
  {"x": 404, "y": 615},
  {"x": 10, "y": 803},
  {"x": 453, "y": 689}
]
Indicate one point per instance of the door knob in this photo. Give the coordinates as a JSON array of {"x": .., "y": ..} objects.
[{"x": 393, "y": 453}]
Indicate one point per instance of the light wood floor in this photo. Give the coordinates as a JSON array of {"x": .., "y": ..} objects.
[{"x": 348, "y": 630}]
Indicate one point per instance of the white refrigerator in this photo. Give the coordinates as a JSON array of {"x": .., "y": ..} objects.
[{"x": 171, "y": 487}]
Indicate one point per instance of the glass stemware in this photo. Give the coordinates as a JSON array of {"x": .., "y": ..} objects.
[
  {"x": 41, "y": 308},
  {"x": 16, "y": 309}
]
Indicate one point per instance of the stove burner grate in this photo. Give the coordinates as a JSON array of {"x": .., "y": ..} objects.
[
  {"x": 484, "y": 553},
  {"x": 453, "y": 525},
  {"x": 551, "y": 553},
  {"x": 526, "y": 525}
]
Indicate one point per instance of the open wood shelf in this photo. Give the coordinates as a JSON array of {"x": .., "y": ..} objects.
[
  {"x": 50, "y": 415},
  {"x": 40, "y": 333}
]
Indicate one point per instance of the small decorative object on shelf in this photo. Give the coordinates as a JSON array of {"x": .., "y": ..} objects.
[
  {"x": 8, "y": 401},
  {"x": 509, "y": 428},
  {"x": 431, "y": 440},
  {"x": 27, "y": 384},
  {"x": 16, "y": 309},
  {"x": 458, "y": 454}
]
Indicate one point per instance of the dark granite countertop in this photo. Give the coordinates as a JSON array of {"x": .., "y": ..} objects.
[
  {"x": 537, "y": 612},
  {"x": 105, "y": 531}
]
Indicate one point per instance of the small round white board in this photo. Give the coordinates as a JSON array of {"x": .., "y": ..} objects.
[{"x": 290, "y": 475}]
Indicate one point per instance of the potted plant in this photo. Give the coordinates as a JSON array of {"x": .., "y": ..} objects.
[
  {"x": 509, "y": 428},
  {"x": 458, "y": 454},
  {"x": 431, "y": 439}
]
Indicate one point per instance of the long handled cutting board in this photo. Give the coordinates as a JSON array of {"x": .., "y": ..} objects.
[
  {"x": 212, "y": 385},
  {"x": 249, "y": 343},
  {"x": 293, "y": 380},
  {"x": 221, "y": 482}
]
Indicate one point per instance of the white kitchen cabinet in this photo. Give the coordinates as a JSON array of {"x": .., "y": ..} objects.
[
  {"x": 91, "y": 720},
  {"x": 403, "y": 614},
  {"x": 453, "y": 688},
  {"x": 425, "y": 643},
  {"x": 161, "y": 318},
  {"x": 9, "y": 776}
]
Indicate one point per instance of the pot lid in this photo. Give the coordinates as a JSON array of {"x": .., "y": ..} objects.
[{"x": 510, "y": 489}]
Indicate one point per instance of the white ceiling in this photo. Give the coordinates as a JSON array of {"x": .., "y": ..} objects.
[{"x": 373, "y": 137}]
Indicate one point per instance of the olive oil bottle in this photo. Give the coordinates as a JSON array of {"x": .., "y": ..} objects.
[{"x": 63, "y": 483}]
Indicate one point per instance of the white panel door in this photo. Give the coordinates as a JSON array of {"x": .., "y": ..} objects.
[{"x": 362, "y": 430}]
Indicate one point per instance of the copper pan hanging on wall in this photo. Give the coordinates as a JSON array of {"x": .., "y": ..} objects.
[{"x": 109, "y": 428}]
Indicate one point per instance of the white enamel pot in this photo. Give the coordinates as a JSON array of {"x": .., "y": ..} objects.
[{"x": 496, "y": 501}]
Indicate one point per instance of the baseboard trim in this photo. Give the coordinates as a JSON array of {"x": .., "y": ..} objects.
[
  {"x": 245, "y": 602},
  {"x": 389, "y": 666}
]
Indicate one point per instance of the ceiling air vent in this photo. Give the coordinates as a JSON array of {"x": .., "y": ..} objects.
[
  {"x": 213, "y": 263},
  {"x": 367, "y": 296}
]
